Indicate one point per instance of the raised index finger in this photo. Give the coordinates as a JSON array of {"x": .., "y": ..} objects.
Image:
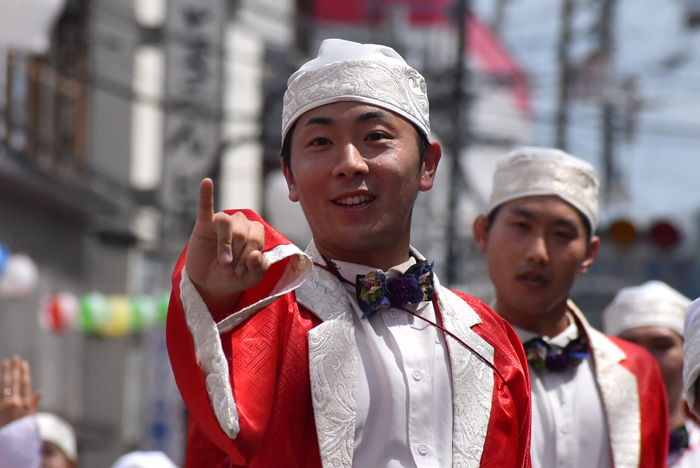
[
  {"x": 206, "y": 201},
  {"x": 26, "y": 383}
]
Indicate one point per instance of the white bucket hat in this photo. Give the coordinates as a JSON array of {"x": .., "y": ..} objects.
[
  {"x": 349, "y": 71},
  {"x": 57, "y": 431},
  {"x": 652, "y": 303},
  {"x": 531, "y": 171}
]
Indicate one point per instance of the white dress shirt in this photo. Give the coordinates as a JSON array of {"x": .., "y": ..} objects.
[
  {"x": 568, "y": 418},
  {"x": 20, "y": 444},
  {"x": 404, "y": 394}
]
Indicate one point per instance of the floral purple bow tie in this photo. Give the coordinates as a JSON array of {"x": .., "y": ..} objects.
[
  {"x": 542, "y": 355},
  {"x": 375, "y": 290}
]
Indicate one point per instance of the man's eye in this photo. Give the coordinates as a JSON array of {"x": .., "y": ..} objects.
[
  {"x": 520, "y": 225},
  {"x": 564, "y": 235},
  {"x": 320, "y": 142},
  {"x": 377, "y": 136}
]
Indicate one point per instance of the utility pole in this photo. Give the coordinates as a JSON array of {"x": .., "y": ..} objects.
[
  {"x": 562, "y": 119},
  {"x": 499, "y": 15},
  {"x": 460, "y": 139},
  {"x": 607, "y": 21}
]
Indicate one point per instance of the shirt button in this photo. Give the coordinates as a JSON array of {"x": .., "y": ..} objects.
[
  {"x": 417, "y": 375},
  {"x": 393, "y": 313},
  {"x": 565, "y": 429},
  {"x": 423, "y": 449}
]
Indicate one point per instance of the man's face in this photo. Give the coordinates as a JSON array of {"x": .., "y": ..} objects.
[
  {"x": 53, "y": 457},
  {"x": 355, "y": 170},
  {"x": 667, "y": 348},
  {"x": 535, "y": 249}
]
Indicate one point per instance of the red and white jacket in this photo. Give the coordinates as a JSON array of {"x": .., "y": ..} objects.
[{"x": 271, "y": 384}]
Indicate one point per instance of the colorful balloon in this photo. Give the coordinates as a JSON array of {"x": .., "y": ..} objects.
[
  {"x": 19, "y": 278},
  {"x": 93, "y": 312},
  {"x": 4, "y": 258},
  {"x": 60, "y": 312},
  {"x": 144, "y": 313},
  {"x": 118, "y": 319}
]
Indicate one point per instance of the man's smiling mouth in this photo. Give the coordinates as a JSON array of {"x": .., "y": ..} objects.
[{"x": 354, "y": 200}]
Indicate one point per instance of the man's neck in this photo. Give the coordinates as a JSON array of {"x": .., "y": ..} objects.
[
  {"x": 549, "y": 324},
  {"x": 382, "y": 259}
]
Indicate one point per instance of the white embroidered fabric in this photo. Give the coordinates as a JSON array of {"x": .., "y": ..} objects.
[
  {"x": 472, "y": 380},
  {"x": 620, "y": 392},
  {"x": 396, "y": 87},
  {"x": 296, "y": 272},
  {"x": 691, "y": 353},
  {"x": 333, "y": 367},
  {"x": 210, "y": 356},
  {"x": 531, "y": 171}
]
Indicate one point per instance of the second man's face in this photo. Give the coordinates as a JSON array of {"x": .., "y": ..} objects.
[
  {"x": 355, "y": 169},
  {"x": 535, "y": 249}
]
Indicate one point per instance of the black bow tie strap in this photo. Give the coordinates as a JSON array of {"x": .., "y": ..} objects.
[
  {"x": 542, "y": 355},
  {"x": 420, "y": 270}
]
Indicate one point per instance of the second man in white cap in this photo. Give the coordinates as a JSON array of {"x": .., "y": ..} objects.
[{"x": 597, "y": 401}]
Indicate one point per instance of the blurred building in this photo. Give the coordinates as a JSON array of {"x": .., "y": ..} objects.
[{"x": 112, "y": 113}]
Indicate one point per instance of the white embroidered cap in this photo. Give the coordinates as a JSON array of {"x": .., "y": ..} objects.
[
  {"x": 531, "y": 171},
  {"x": 144, "y": 460},
  {"x": 57, "y": 431},
  {"x": 691, "y": 353},
  {"x": 349, "y": 71},
  {"x": 652, "y": 303}
]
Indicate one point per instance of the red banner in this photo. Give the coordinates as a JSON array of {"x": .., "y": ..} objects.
[{"x": 484, "y": 47}]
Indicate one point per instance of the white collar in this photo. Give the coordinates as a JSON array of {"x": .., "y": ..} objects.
[
  {"x": 569, "y": 334},
  {"x": 350, "y": 270}
]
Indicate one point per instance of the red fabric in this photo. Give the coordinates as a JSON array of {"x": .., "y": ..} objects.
[
  {"x": 271, "y": 387},
  {"x": 482, "y": 44},
  {"x": 496, "y": 61},
  {"x": 653, "y": 403},
  {"x": 511, "y": 413}
]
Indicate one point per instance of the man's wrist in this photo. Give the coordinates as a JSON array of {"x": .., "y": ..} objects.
[{"x": 220, "y": 306}]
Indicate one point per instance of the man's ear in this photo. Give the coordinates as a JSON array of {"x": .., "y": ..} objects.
[
  {"x": 591, "y": 255},
  {"x": 430, "y": 165},
  {"x": 293, "y": 195},
  {"x": 481, "y": 232}
]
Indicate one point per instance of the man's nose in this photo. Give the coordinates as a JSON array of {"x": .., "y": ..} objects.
[
  {"x": 538, "y": 251},
  {"x": 350, "y": 162}
]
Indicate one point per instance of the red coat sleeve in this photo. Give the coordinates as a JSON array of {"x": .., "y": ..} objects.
[
  {"x": 511, "y": 410},
  {"x": 267, "y": 360},
  {"x": 653, "y": 403}
]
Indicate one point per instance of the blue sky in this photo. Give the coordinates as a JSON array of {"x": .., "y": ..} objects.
[{"x": 661, "y": 165}]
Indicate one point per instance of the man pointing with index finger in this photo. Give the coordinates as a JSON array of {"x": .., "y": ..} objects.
[{"x": 350, "y": 354}]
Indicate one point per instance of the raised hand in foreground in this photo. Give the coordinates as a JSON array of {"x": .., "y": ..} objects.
[
  {"x": 224, "y": 254},
  {"x": 17, "y": 399}
]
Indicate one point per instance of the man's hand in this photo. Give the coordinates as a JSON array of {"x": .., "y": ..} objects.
[
  {"x": 224, "y": 255},
  {"x": 17, "y": 399}
]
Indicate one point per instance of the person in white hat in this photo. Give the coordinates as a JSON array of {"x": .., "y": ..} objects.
[
  {"x": 651, "y": 315},
  {"x": 351, "y": 354},
  {"x": 20, "y": 444},
  {"x": 691, "y": 357},
  {"x": 28, "y": 438},
  {"x": 598, "y": 401},
  {"x": 139, "y": 459}
]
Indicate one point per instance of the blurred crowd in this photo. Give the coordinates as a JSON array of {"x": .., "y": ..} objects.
[{"x": 30, "y": 438}]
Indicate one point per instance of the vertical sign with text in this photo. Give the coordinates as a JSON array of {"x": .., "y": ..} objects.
[{"x": 193, "y": 47}]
